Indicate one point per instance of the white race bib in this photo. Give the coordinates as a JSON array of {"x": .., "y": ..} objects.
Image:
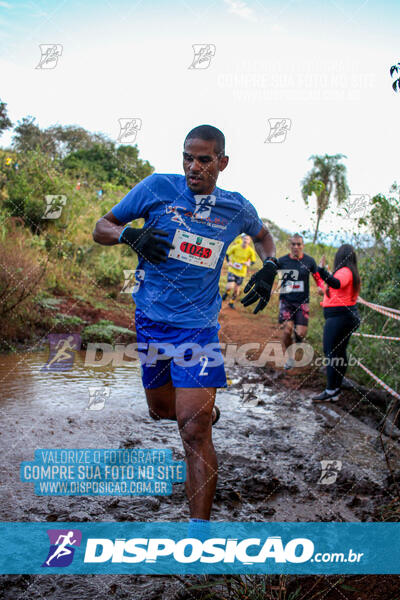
[
  {"x": 292, "y": 286},
  {"x": 196, "y": 249},
  {"x": 237, "y": 265}
]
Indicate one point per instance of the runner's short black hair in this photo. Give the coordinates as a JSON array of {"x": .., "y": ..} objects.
[
  {"x": 297, "y": 235},
  {"x": 208, "y": 133}
]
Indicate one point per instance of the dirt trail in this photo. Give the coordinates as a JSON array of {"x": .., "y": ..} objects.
[{"x": 239, "y": 326}]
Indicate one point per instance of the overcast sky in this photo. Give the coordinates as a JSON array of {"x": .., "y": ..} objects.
[{"x": 322, "y": 65}]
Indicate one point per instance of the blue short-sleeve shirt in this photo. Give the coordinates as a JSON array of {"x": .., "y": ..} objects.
[{"x": 184, "y": 290}]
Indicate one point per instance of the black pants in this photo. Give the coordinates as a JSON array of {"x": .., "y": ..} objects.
[{"x": 340, "y": 323}]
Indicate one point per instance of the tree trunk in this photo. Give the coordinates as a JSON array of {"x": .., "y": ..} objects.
[{"x": 316, "y": 229}]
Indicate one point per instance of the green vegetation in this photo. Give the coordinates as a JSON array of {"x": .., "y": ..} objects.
[
  {"x": 67, "y": 322},
  {"x": 380, "y": 278},
  {"x": 5, "y": 122},
  {"x": 44, "y": 260},
  {"x": 105, "y": 331}
]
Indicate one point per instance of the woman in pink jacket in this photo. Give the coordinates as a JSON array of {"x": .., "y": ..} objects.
[{"x": 341, "y": 316}]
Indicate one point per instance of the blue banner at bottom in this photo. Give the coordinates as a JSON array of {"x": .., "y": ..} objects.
[{"x": 200, "y": 548}]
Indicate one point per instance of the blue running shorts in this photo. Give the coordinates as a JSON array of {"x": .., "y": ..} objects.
[{"x": 190, "y": 358}]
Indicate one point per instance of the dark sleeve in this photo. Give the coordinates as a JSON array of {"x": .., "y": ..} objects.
[
  {"x": 279, "y": 262},
  {"x": 332, "y": 281},
  {"x": 313, "y": 266}
]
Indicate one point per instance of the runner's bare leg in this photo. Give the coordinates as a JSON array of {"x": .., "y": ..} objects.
[
  {"x": 287, "y": 334},
  {"x": 301, "y": 331},
  {"x": 236, "y": 292},
  {"x": 230, "y": 286},
  {"x": 161, "y": 402},
  {"x": 194, "y": 410}
]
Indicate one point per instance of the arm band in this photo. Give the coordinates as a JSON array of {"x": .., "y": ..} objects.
[
  {"x": 120, "y": 235},
  {"x": 272, "y": 260}
]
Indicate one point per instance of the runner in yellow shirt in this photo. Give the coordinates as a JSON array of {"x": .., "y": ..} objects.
[{"x": 240, "y": 256}]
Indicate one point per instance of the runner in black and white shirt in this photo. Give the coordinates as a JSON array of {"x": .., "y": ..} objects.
[{"x": 295, "y": 269}]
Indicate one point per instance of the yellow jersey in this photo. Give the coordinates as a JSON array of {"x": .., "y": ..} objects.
[{"x": 238, "y": 257}]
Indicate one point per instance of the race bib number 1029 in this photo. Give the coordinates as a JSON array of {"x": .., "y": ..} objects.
[{"x": 196, "y": 249}]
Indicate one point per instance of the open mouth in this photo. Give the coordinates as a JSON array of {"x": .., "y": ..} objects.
[{"x": 194, "y": 179}]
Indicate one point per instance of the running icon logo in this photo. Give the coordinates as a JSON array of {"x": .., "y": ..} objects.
[
  {"x": 62, "y": 351},
  {"x": 50, "y": 53},
  {"x": 54, "y": 206},
  {"x": 204, "y": 204},
  {"x": 62, "y": 547},
  {"x": 128, "y": 129},
  {"x": 330, "y": 470},
  {"x": 132, "y": 282},
  {"x": 288, "y": 281},
  {"x": 356, "y": 205},
  {"x": 203, "y": 54},
  {"x": 97, "y": 397},
  {"x": 176, "y": 216},
  {"x": 252, "y": 393},
  {"x": 278, "y": 130}
]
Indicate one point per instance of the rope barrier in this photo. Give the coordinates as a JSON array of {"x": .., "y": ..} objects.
[
  {"x": 381, "y": 383},
  {"x": 376, "y": 307},
  {"x": 379, "y": 337},
  {"x": 394, "y": 313},
  {"x": 394, "y": 310}
]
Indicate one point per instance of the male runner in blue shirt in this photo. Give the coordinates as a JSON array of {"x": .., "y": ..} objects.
[{"x": 189, "y": 224}]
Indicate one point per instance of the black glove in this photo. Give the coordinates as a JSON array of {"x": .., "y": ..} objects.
[
  {"x": 262, "y": 282},
  {"x": 148, "y": 243}
]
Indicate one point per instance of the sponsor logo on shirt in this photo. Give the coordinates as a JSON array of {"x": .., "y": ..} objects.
[
  {"x": 201, "y": 214},
  {"x": 176, "y": 216}
]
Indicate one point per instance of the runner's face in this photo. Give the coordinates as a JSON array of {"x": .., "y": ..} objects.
[
  {"x": 296, "y": 247},
  {"x": 245, "y": 241},
  {"x": 202, "y": 165}
]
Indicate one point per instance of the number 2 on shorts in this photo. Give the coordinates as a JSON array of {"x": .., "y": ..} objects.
[{"x": 204, "y": 363}]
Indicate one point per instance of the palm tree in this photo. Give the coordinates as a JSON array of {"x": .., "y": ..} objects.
[{"x": 327, "y": 175}]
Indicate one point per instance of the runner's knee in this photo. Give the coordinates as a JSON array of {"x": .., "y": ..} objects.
[
  {"x": 297, "y": 337},
  {"x": 162, "y": 412},
  {"x": 288, "y": 327},
  {"x": 161, "y": 402},
  {"x": 194, "y": 429}
]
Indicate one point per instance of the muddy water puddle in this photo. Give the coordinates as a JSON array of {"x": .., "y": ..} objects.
[{"x": 26, "y": 382}]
